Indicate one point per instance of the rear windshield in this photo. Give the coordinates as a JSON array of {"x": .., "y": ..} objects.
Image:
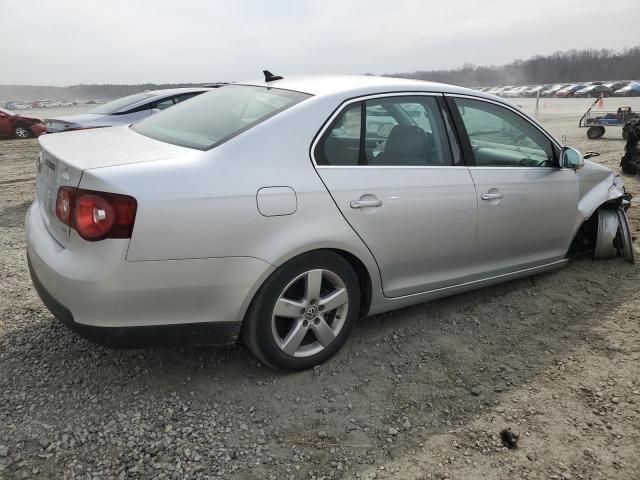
[
  {"x": 212, "y": 118},
  {"x": 112, "y": 107}
]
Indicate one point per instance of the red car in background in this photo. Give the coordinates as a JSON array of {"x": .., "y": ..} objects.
[
  {"x": 13, "y": 125},
  {"x": 569, "y": 91}
]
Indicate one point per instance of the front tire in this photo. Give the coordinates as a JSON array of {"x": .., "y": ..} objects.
[
  {"x": 21, "y": 132},
  {"x": 304, "y": 312}
]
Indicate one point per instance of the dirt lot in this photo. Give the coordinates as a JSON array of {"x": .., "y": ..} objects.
[{"x": 419, "y": 393}]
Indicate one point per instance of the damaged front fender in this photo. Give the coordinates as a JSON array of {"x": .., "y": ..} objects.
[
  {"x": 602, "y": 227},
  {"x": 598, "y": 185}
]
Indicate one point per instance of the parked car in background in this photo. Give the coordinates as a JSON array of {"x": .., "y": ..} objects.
[
  {"x": 533, "y": 91},
  {"x": 499, "y": 90},
  {"x": 18, "y": 106},
  {"x": 594, "y": 91},
  {"x": 551, "y": 91},
  {"x": 270, "y": 210},
  {"x": 631, "y": 90},
  {"x": 569, "y": 91},
  {"x": 616, "y": 85},
  {"x": 515, "y": 92},
  {"x": 14, "y": 125},
  {"x": 123, "y": 111}
]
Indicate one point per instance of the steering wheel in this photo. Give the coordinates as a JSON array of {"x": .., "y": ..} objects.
[{"x": 529, "y": 162}]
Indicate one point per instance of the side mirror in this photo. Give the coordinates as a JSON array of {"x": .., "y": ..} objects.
[{"x": 571, "y": 158}]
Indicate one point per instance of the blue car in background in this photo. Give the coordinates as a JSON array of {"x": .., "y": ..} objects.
[{"x": 631, "y": 90}]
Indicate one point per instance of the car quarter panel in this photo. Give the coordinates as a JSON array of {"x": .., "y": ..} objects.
[{"x": 203, "y": 204}]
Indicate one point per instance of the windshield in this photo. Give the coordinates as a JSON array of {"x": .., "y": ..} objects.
[
  {"x": 212, "y": 118},
  {"x": 116, "y": 105},
  {"x": 6, "y": 111}
]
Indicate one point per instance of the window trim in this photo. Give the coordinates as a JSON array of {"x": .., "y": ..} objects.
[
  {"x": 466, "y": 141},
  {"x": 362, "y": 99}
]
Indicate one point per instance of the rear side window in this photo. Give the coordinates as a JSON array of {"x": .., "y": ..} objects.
[
  {"x": 389, "y": 131},
  {"x": 214, "y": 117},
  {"x": 116, "y": 106}
]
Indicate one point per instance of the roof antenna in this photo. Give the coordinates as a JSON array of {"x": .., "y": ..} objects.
[{"x": 270, "y": 77}]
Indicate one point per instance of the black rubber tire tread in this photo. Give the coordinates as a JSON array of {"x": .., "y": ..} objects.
[
  {"x": 594, "y": 133},
  {"x": 256, "y": 331}
]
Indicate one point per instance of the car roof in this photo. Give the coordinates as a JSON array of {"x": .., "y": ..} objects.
[{"x": 358, "y": 85}]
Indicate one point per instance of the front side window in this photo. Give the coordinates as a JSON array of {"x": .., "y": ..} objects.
[
  {"x": 389, "y": 131},
  {"x": 213, "y": 117},
  {"x": 185, "y": 96},
  {"x": 162, "y": 104},
  {"x": 501, "y": 138}
]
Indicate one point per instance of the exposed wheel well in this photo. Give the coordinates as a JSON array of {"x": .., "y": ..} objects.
[{"x": 584, "y": 242}]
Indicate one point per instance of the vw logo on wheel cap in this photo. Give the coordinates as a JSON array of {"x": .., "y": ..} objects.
[{"x": 311, "y": 312}]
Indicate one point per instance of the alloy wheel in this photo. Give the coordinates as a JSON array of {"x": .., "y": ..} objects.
[
  {"x": 22, "y": 132},
  {"x": 310, "y": 313}
]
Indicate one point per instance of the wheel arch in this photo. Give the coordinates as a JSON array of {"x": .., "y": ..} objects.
[
  {"x": 584, "y": 238},
  {"x": 367, "y": 279}
]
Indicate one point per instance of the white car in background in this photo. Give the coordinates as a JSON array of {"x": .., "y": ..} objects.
[{"x": 123, "y": 111}]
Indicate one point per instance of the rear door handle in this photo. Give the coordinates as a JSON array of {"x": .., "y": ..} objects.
[
  {"x": 365, "y": 203},
  {"x": 491, "y": 196}
]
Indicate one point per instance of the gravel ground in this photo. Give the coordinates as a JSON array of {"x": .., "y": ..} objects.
[{"x": 419, "y": 393}]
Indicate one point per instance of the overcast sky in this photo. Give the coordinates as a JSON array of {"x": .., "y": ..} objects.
[{"x": 64, "y": 42}]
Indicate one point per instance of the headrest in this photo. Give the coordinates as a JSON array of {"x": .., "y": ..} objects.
[{"x": 406, "y": 141}]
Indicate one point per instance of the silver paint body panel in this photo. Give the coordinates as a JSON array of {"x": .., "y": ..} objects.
[{"x": 208, "y": 231}]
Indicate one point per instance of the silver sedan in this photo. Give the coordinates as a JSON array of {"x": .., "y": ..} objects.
[
  {"x": 123, "y": 111},
  {"x": 280, "y": 211}
]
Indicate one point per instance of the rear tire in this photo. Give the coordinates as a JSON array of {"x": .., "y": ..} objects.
[
  {"x": 319, "y": 296},
  {"x": 593, "y": 133},
  {"x": 21, "y": 132}
]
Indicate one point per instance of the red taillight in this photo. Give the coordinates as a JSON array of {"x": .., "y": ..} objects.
[
  {"x": 96, "y": 215},
  {"x": 64, "y": 204}
]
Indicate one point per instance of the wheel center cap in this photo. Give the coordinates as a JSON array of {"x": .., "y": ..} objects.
[{"x": 311, "y": 312}]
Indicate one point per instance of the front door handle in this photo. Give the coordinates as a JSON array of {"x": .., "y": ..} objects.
[
  {"x": 365, "y": 203},
  {"x": 492, "y": 196}
]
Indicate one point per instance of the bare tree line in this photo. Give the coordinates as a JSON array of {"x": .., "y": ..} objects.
[
  {"x": 568, "y": 66},
  {"x": 560, "y": 67}
]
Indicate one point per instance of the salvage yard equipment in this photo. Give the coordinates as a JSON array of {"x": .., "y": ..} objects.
[{"x": 595, "y": 122}]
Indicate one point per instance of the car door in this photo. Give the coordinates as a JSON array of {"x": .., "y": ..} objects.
[
  {"x": 389, "y": 166},
  {"x": 526, "y": 204}
]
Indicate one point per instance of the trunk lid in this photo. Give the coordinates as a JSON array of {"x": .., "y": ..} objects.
[
  {"x": 64, "y": 156},
  {"x": 53, "y": 174}
]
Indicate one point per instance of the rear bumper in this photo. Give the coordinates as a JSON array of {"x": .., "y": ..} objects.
[
  {"x": 210, "y": 333},
  {"x": 94, "y": 286}
]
